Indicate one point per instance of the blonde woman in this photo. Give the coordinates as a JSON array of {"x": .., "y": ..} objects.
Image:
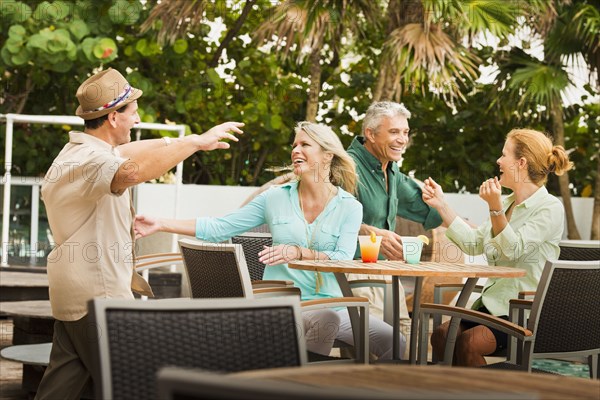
[
  {"x": 523, "y": 231},
  {"x": 314, "y": 216}
]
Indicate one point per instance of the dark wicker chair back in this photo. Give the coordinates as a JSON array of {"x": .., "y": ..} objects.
[
  {"x": 565, "y": 317},
  {"x": 227, "y": 335},
  {"x": 253, "y": 243},
  {"x": 587, "y": 250},
  {"x": 215, "y": 270},
  {"x": 569, "y": 313}
]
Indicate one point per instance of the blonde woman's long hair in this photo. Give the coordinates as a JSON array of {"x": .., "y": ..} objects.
[{"x": 342, "y": 171}]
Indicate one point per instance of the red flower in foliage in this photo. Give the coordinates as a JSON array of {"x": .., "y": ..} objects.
[{"x": 107, "y": 53}]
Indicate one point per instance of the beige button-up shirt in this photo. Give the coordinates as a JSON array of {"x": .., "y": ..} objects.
[{"x": 91, "y": 226}]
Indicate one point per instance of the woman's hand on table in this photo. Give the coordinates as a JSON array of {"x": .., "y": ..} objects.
[{"x": 279, "y": 254}]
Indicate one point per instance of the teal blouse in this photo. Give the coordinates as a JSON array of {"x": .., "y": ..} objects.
[{"x": 334, "y": 232}]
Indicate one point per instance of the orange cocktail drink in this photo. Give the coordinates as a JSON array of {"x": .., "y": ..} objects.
[{"x": 369, "y": 248}]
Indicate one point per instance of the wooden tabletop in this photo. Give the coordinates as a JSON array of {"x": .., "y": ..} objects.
[
  {"x": 33, "y": 308},
  {"x": 23, "y": 279},
  {"x": 402, "y": 268},
  {"x": 386, "y": 378}
]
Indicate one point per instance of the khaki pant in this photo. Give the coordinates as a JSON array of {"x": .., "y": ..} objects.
[
  {"x": 74, "y": 361},
  {"x": 376, "y": 301}
]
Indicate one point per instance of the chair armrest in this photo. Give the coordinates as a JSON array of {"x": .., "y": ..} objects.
[
  {"x": 478, "y": 317},
  {"x": 526, "y": 293},
  {"x": 357, "y": 283},
  {"x": 276, "y": 292},
  {"x": 156, "y": 256},
  {"x": 159, "y": 262},
  {"x": 318, "y": 304},
  {"x": 271, "y": 283},
  {"x": 521, "y": 303},
  {"x": 438, "y": 295}
]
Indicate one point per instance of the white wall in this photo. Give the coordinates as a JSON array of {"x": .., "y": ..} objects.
[
  {"x": 216, "y": 201},
  {"x": 471, "y": 207},
  {"x": 194, "y": 200}
]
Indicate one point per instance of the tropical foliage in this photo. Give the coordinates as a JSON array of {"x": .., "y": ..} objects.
[{"x": 270, "y": 64}]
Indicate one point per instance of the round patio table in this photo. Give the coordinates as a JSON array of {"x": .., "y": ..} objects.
[{"x": 396, "y": 269}]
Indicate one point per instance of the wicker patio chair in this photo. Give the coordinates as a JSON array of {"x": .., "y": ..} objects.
[
  {"x": 252, "y": 243},
  {"x": 564, "y": 318},
  {"x": 228, "y": 335},
  {"x": 220, "y": 271},
  {"x": 579, "y": 250}
]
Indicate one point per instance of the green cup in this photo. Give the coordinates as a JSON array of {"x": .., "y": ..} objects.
[{"x": 412, "y": 247}]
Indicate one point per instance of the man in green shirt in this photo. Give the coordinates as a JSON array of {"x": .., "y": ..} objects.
[{"x": 383, "y": 190}]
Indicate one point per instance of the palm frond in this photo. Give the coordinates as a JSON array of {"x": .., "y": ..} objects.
[
  {"x": 528, "y": 82},
  {"x": 539, "y": 83},
  {"x": 174, "y": 18},
  {"x": 289, "y": 23},
  {"x": 311, "y": 23},
  {"x": 587, "y": 26},
  {"x": 575, "y": 32},
  {"x": 430, "y": 57},
  {"x": 498, "y": 17}
]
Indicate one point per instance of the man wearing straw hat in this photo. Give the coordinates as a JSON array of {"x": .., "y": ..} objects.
[{"x": 88, "y": 201}]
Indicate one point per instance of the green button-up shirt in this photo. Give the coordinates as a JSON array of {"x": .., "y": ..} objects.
[{"x": 403, "y": 197}]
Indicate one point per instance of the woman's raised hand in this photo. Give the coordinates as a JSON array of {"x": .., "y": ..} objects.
[
  {"x": 433, "y": 194},
  {"x": 490, "y": 191}
]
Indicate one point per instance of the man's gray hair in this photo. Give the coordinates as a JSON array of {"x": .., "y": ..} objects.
[{"x": 380, "y": 109}]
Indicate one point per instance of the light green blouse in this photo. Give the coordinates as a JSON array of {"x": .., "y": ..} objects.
[{"x": 531, "y": 237}]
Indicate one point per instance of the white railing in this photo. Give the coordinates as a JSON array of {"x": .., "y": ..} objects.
[
  {"x": 11, "y": 119},
  {"x": 35, "y": 184}
]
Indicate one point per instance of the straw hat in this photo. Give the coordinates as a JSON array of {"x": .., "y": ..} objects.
[{"x": 103, "y": 93}]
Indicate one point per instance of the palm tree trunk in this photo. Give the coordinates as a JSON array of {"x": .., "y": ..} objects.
[
  {"x": 399, "y": 14},
  {"x": 380, "y": 82},
  {"x": 387, "y": 88},
  {"x": 558, "y": 127},
  {"x": 312, "y": 105}
]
